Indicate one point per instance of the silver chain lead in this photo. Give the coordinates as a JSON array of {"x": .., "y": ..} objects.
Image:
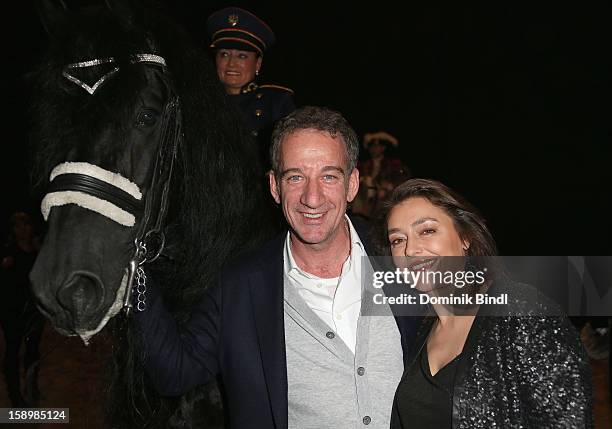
[{"x": 141, "y": 289}]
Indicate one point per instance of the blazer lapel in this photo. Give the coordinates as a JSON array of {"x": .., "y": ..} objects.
[{"x": 266, "y": 289}]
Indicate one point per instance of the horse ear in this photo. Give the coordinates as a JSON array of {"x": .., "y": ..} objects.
[{"x": 51, "y": 13}]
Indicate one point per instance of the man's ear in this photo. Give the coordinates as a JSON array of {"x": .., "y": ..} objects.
[
  {"x": 274, "y": 189},
  {"x": 353, "y": 185}
]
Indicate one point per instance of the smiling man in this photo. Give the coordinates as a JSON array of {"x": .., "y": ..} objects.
[
  {"x": 314, "y": 184},
  {"x": 285, "y": 328}
]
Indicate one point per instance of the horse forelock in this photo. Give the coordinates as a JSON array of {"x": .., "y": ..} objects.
[{"x": 65, "y": 118}]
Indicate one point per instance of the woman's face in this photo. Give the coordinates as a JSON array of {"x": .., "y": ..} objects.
[
  {"x": 236, "y": 68},
  {"x": 420, "y": 232}
]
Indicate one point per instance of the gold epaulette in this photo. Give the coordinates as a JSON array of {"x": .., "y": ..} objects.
[
  {"x": 252, "y": 86},
  {"x": 281, "y": 88}
]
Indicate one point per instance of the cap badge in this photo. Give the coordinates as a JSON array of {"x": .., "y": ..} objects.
[{"x": 232, "y": 20}]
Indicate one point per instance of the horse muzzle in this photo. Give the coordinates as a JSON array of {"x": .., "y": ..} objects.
[{"x": 82, "y": 296}]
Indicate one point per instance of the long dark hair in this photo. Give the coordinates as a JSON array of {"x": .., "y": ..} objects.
[{"x": 470, "y": 225}]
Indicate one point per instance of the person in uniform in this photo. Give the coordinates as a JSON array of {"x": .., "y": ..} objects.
[{"x": 239, "y": 40}]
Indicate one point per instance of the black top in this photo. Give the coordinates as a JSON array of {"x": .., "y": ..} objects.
[{"x": 424, "y": 401}]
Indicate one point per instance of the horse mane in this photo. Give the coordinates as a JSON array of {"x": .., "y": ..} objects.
[
  {"x": 218, "y": 184},
  {"x": 217, "y": 200}
]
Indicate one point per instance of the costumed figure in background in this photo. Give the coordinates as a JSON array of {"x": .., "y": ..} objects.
[{"x": 380, "y": 173}]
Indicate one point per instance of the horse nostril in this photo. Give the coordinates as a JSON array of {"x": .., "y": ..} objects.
[{"x": 82, "y": 295}]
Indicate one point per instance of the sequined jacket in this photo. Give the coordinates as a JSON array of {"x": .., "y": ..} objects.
[{"x": 526, "y": 369}]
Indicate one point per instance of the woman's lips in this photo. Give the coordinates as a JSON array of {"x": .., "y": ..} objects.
[{"x": 421, "y": 264}]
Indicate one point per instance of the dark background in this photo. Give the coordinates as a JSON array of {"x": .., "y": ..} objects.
[{"x": 506, "y": 103}]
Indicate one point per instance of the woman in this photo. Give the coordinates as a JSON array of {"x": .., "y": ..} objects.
[
  {"x": 477, "y": 370},
  {"x": 239, "y": 40}
]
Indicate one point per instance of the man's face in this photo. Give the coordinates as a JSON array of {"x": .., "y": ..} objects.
[
  {"x": 313, "y": 186},
  {"x": 236, "y": 68}
]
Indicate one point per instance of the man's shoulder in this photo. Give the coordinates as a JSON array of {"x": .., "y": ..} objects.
[{"x": 262, "y": 258}]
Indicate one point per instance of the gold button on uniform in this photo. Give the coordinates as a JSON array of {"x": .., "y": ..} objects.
[{"x": 258, "y": 112}]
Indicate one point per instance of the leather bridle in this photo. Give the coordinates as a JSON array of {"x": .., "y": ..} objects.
[{"x": 116, "y": 197}]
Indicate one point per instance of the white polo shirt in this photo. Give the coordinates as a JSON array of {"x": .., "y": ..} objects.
[{"x": 337, "y": 301}]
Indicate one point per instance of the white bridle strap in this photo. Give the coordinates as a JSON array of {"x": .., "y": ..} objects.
[
  {"x": 114, "y": 179},
  {"x": 87, "y": 201}
]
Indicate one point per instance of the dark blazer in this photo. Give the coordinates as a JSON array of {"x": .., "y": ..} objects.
[{"x": 237, "y": 331}]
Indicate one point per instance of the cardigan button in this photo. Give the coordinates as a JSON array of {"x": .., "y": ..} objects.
[
  {"x": 360, "y": 370},
  {"x": 367, "y": 420},
  {"x": 330, "y": 335}
]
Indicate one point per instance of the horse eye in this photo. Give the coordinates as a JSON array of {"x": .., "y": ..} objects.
[{"x": 146, "y": 118}]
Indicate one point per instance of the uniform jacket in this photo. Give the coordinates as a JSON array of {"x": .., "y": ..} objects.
[{"x": 261, "y": 106}]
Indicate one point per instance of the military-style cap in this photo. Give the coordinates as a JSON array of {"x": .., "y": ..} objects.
[{"x": 235, "y": 28}]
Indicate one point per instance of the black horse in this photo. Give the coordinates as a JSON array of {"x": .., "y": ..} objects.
[{"x": 143, "y": 165}]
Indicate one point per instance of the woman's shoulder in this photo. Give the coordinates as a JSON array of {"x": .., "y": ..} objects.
[
  {"x": 522, "y": 300},
  {"x": 531, "y": 318},
  {"x": 276, "y": 89},
  {"x": 536, "y": 351}
]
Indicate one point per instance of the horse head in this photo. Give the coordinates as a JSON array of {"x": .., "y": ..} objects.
[
  {"x": 136, "y": 148},
  {"x": 108, "y": 163}
]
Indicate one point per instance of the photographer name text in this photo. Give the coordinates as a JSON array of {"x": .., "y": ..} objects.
[{"x": 461, "y": 299}]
